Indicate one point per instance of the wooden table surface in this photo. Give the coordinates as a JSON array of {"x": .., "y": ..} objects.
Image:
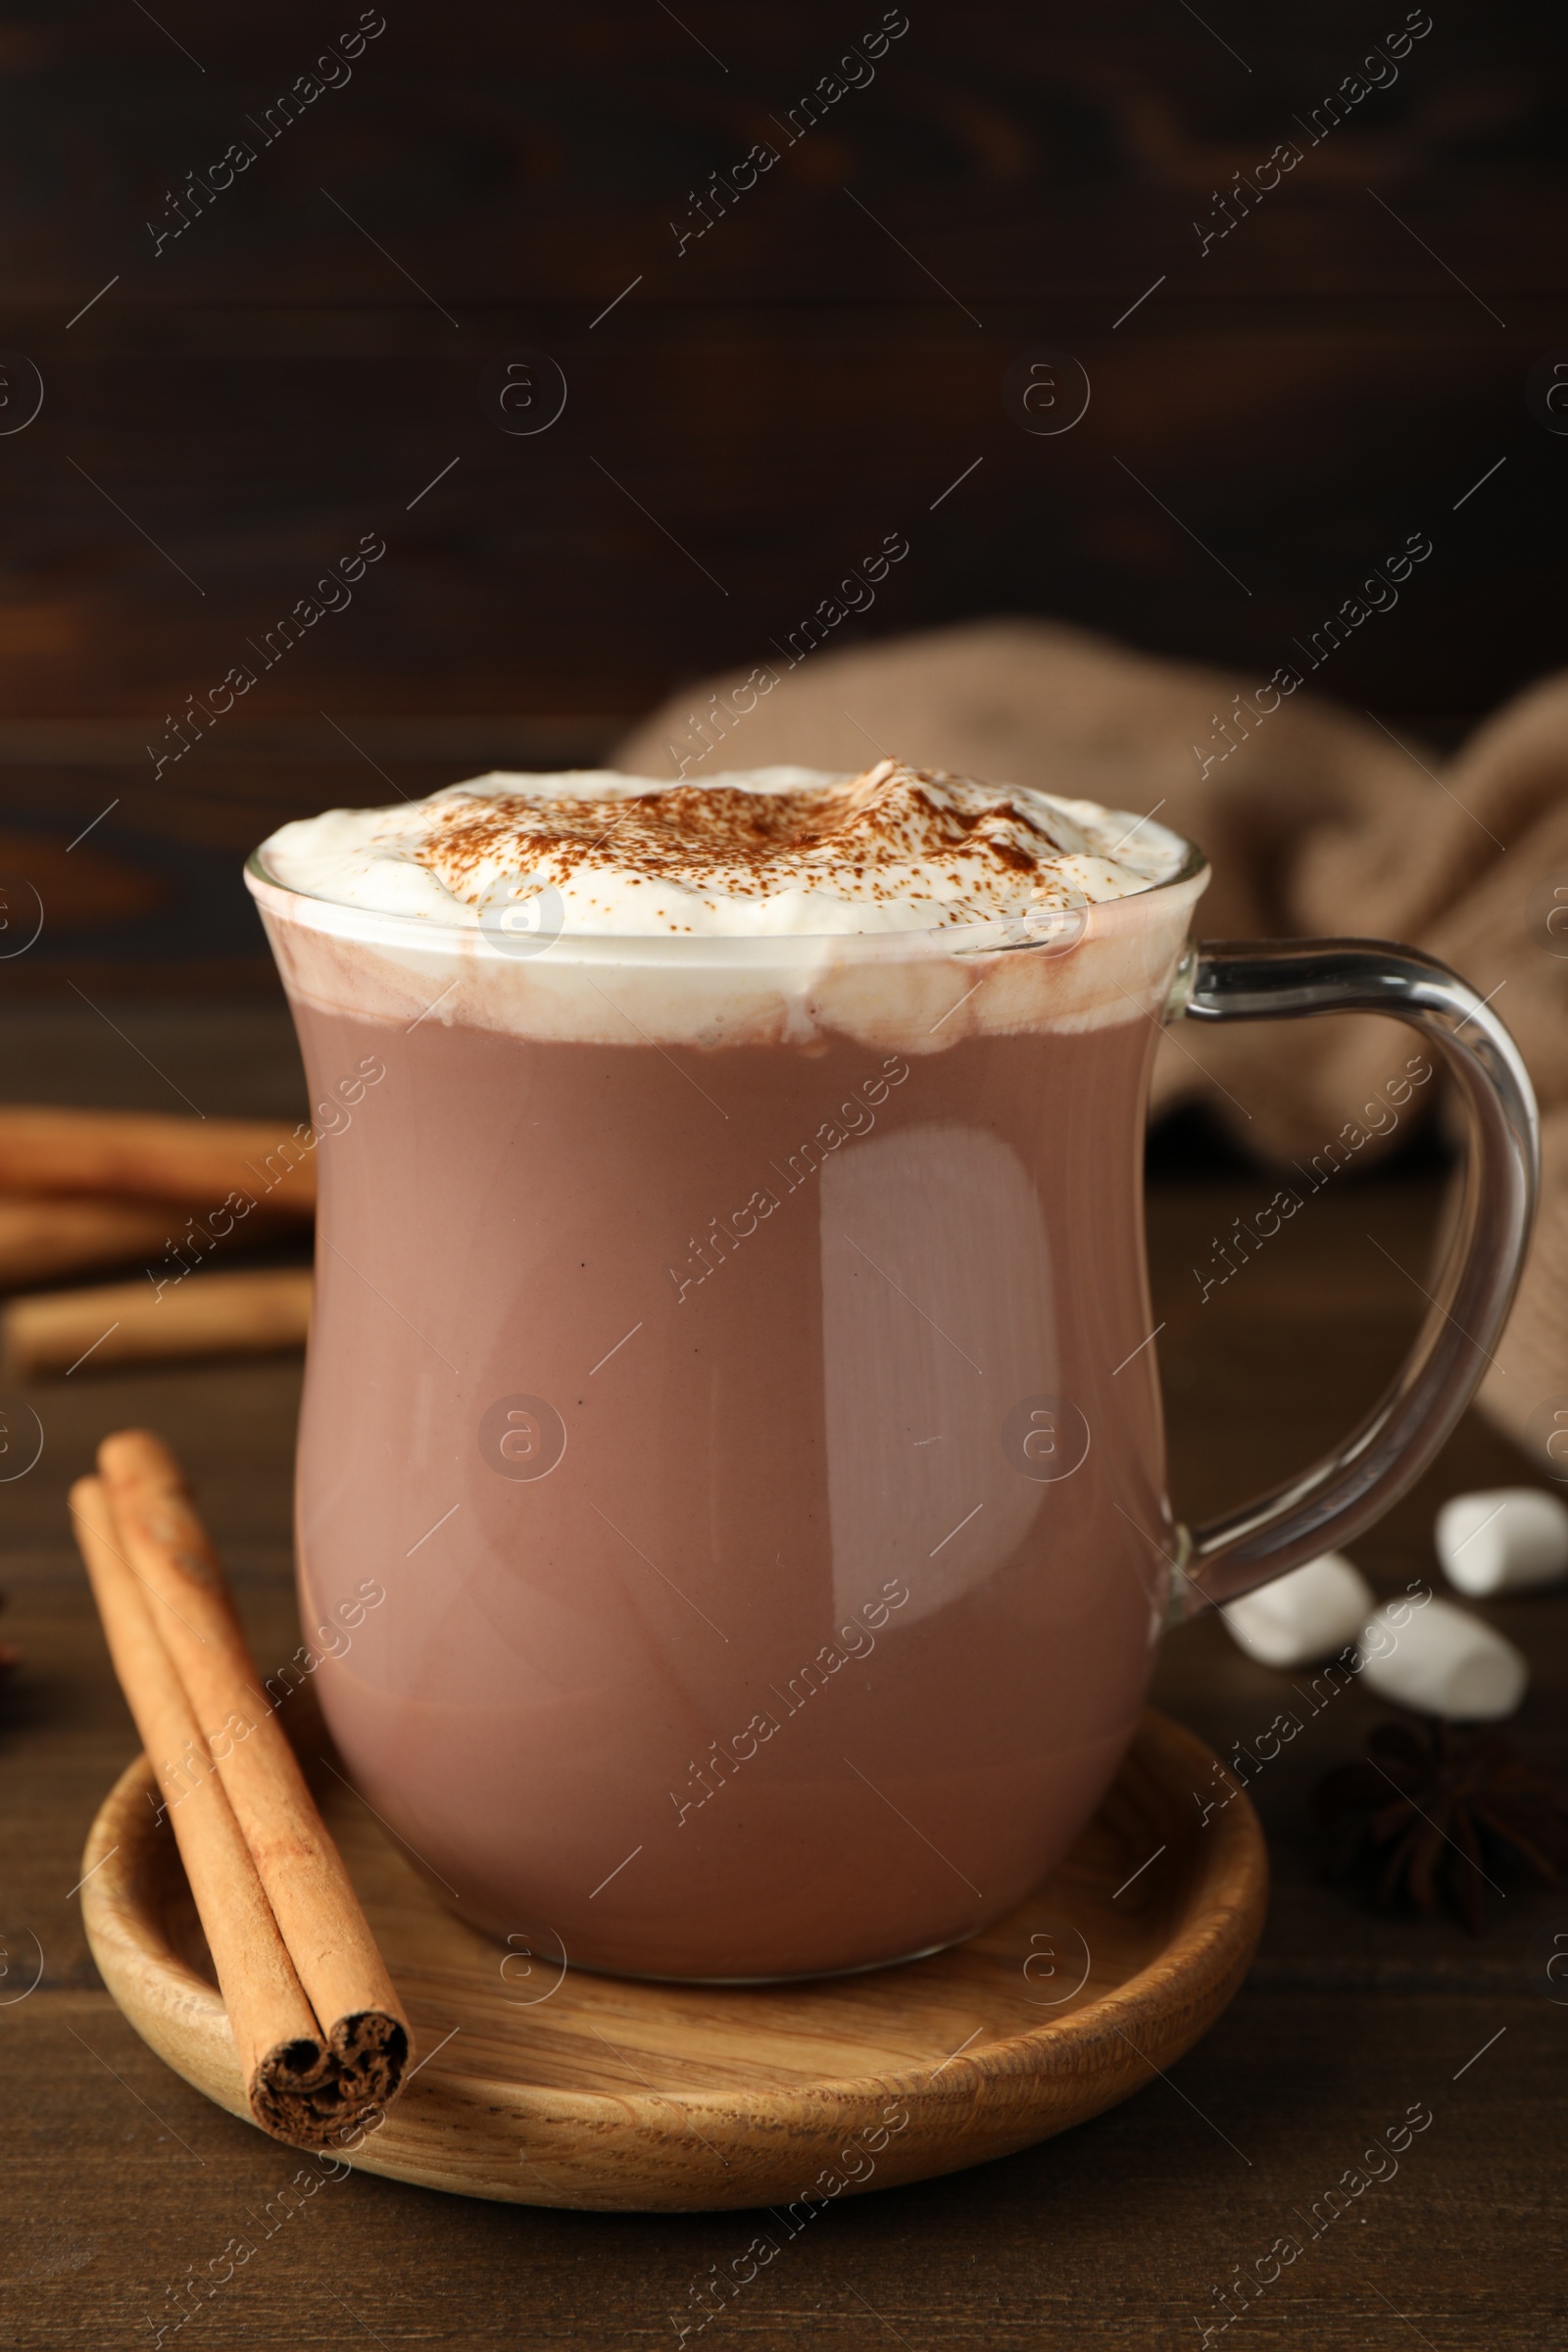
[{"x": 121, "y": 2184}]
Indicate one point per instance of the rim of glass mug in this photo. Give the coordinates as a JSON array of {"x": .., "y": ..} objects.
[{"x": 1055, "y": 929}]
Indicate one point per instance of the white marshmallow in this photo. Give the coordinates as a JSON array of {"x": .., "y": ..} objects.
[
  {"x": 1503, "y": 1541},
  {"x": 1311, "y": 1613},
  {"x": 1441, "y": 1661}
]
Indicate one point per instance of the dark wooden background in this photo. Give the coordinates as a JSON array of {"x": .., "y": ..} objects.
[
  {"x": 224, "y": 419},
  {"x": 278, "y": 380}
]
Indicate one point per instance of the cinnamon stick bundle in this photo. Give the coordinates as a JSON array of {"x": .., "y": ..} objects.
[
  {"x": 150, "y": 1155},
  {"x": 320, "y": 2030},
  {"x": 125, "y": 1323},
  {"x": 275, "y": 2032}
]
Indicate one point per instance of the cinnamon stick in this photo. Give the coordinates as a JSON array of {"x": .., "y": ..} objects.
[
  {"x": 124, "y": 1323},
  {"x": 301, "y": 1871},
  {"x": 147, "y": 1155},
  {"x": 295, "y": 2084},
  {"x": 40, "y": 1239},
  {"x": 43, "y": 1235}
]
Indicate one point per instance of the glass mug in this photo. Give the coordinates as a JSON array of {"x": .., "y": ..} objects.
[{"x": 731, "y": 1465}]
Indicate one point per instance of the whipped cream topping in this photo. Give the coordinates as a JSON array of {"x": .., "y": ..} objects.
[{"x": 772, "y": 852}]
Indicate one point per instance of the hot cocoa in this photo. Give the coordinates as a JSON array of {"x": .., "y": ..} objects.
[{"x": 732, "y": 1351}]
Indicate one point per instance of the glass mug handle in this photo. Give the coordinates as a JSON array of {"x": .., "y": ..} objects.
[{"x": 1331, "y": 1503}]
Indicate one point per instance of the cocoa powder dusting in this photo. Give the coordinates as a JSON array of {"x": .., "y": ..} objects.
[{"x": 744, "y": 844}]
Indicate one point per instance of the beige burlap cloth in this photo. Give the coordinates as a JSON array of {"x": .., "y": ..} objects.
[{"x": 1318, "y": 822}]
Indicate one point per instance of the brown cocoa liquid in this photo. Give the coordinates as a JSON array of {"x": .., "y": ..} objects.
[{"x": 714, "y": 1423}]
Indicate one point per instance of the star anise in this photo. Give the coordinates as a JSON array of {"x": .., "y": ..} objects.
[{"x": 1429, "y": 1810}]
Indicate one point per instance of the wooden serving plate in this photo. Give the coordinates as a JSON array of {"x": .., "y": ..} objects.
[{"x": 545, "y": 2086}]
